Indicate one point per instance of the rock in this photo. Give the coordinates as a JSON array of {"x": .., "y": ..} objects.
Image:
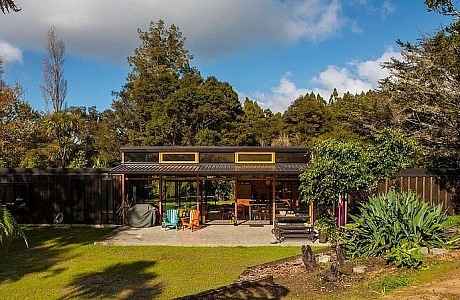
[
  {"x": 274, "y": 241},
  {"x": 438, "y": 251},
  {"x": 359, "y": 269},
  {"x": 308, "y": 258},
  {"x": 340, "y": 253},
  {"x": 324, "y": 258},
  {"x": 424, "y": 250}
]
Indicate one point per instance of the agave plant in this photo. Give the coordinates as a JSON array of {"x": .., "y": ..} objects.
[
  {"x": 389, "y": 221},
  {"x": 9, "y": 229}
]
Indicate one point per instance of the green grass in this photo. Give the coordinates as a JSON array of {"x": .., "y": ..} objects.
[
  {"x": 63, "y": 263},
  {"x": 453, "y": 221}
]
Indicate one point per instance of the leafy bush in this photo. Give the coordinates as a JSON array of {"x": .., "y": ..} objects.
[
  {"x": 392, "y": 220},
  {"x": 408, "y": 255}
]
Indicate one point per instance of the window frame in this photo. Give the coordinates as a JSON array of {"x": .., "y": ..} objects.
[
  {"x": 238, "y": 161},
  {"x": 162, "y": 161}
]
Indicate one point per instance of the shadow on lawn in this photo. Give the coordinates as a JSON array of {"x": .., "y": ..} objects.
[
  {"x": 121, "y": 281},
  {"x": 47, "y": 247},
  {"x": 264, "y": 288}
]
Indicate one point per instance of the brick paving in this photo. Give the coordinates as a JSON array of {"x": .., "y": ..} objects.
[{"x": 207, "y": 236}]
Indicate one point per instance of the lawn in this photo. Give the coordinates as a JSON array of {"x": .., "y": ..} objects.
[{"x": 63, "y": 263}]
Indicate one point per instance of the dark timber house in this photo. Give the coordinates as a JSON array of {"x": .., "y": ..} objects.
[
  {"x": 254, "y": 184},
  {"x": 249, "y": 183}
]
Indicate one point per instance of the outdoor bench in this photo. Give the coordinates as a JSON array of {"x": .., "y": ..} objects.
[{"x": 293, "y": 226}]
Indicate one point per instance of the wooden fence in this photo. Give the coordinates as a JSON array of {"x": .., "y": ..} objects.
[
  {"x": 434, "y": 187},
  {"x": 75, "y": 196}
]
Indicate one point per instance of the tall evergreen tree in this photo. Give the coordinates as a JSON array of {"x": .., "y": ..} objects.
[
  {"x": 306, "y": 119},
  {"x": 160, "y": 65},
  {"x": 425, "y": 90},
  {"x": 7, "y": 5}
]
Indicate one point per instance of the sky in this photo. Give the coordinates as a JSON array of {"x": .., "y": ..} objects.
[{"x": 271, "y": 51}]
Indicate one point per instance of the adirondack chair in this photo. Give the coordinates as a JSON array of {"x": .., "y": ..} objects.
[
  {"x": 171, "y": 220},
  {"x": 193, "y": 221}
]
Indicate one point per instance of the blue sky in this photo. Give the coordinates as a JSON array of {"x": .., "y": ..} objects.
[{"x": 271, "y": 51}]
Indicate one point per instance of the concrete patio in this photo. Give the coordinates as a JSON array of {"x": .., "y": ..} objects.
[{"x": 207, "y": 236}]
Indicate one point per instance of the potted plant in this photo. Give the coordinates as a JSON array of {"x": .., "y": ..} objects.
[
  {"x": 234, "y": 220},
  {"x": 326, "y": 227}
]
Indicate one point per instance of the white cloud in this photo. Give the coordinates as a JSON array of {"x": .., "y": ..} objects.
[
  {"x": 282, "y": 95},
  {"x": 9, "y": 53},
  {"x": 372, "y": 70},
  {"x": 359, "y": 77},
  {"x": 107, "y": 28},
  {"x": 314, "y": 20},
  {"x": 341, "y": 79}
]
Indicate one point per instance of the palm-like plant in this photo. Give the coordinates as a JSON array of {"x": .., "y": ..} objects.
[
  {"x": 389, "y": 221},
  {"x": 9, "y": 229},
  {"x": 7, "y": 5}
]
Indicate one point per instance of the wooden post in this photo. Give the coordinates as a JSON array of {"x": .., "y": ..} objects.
[
  {"x": 160, "y": 191},
  {"x": 424, "y": 188},
  {"x": 431, "y": 190},
  {"x": 123, "y": 192},
  {"x": 273, "y": 200},
  {"x": 235, "y": 194}
]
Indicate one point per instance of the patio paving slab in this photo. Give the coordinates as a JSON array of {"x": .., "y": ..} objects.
[{"x": 207, "y": 236}]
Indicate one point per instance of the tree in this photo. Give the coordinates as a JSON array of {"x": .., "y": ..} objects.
[
  {"x": 256, "y": 127},
  {"x": 161, "y": 66},
  {"x": 354, "y": 168},
  {"x": 424, "y": 87},
  {"x": 54, "y": 88},
  {"x": 199, "y": 113},
  {"x": 358, "y": 117},
  {"x": 7, "y": 5},
  {"x": 18, "y": 124},
  {"x": 444, "y": 7},
  {"x": 63, "y": 129},
  {"x": 306, "y": 119}
]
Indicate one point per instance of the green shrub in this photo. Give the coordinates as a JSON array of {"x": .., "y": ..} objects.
[
  {"x": 407, "y": 255},
  {"x": 453, "y": 221},
  {"x": 392, "y": 220}
]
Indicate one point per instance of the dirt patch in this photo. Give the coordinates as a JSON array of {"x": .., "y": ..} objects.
[
  {"x": 445, "y": 286},
  {"x": 289, "y": 279},
  {"x": 300, "y": 283}
]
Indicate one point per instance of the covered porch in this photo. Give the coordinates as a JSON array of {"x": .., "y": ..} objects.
[
  {"x": 222, "y": 200},
  {"x": 228, "y": 185}
]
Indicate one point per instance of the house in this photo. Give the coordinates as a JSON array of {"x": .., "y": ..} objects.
[{"x": 248, "y": 183}]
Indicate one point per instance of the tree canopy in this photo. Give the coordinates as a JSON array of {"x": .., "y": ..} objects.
[{"x": 354, "y": 168}]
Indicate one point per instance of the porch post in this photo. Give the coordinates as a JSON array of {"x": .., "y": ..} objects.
[
  {"x": 198, "y": 206},
  {"x": 160, "y": 191},
  {"x": 234, "y": 196},
  {"x": 273, "y": 200},
  {"x": 123, "y": 191}
]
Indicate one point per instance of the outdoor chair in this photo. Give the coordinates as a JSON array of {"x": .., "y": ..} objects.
[
  {"x": 171, "y": 220},
  {"x": 225, "y": 212},
  {"x": 193, "y": 221},
  {"x": 242, "y": 211}
]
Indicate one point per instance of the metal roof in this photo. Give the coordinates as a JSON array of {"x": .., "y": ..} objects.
[
  {"x": 212, "y": 149},
  {"x": 208, "y": 169}
]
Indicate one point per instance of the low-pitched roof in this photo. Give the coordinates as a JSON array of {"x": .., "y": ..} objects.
[{"x": 208, "y": 169}]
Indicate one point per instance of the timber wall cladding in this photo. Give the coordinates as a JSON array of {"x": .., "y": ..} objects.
[
  {"x": 441, "y": 188},
  {"x": 50, "y": 191}
]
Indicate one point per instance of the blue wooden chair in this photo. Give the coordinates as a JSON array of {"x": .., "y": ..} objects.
[{"x": 171, "y": 220}]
